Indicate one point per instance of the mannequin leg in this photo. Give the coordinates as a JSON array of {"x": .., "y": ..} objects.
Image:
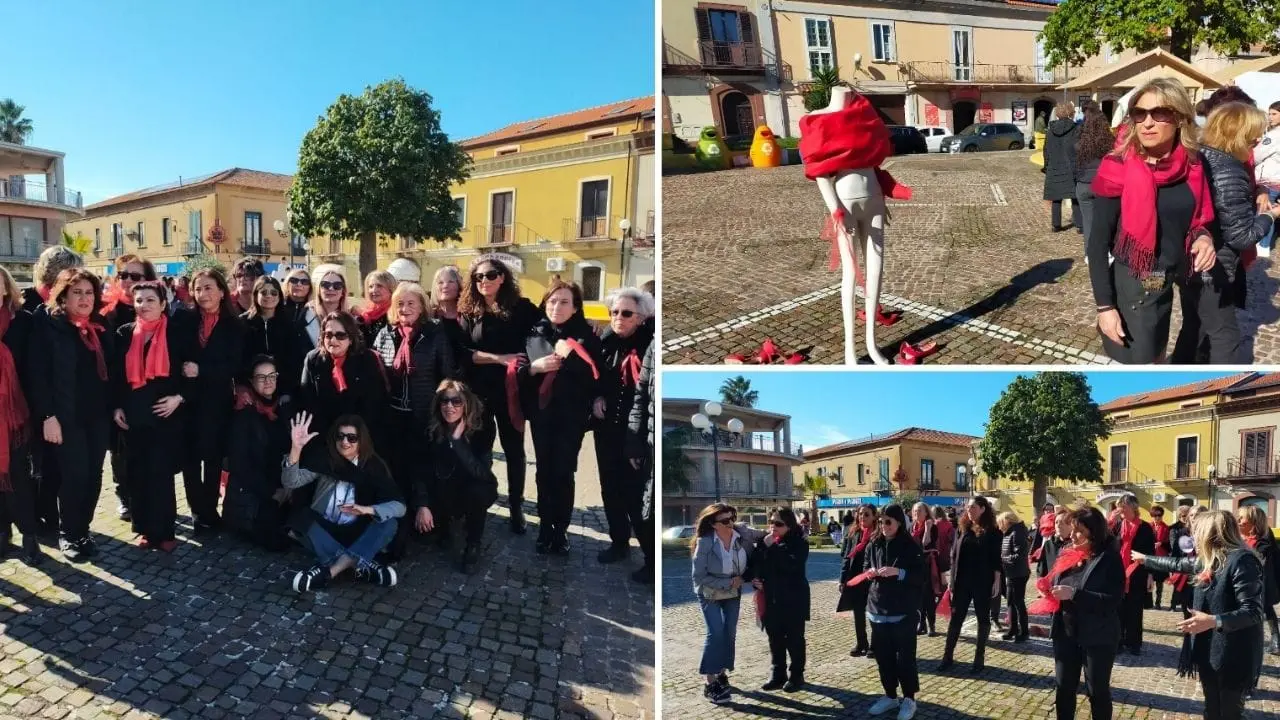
[
  {"x": 848, "y": 296},
  {"x": 874, "y": 235}
]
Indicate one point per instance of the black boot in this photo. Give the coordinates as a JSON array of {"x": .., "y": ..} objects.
[
  {"x": 1274, "y": 648},
  {"x": 614, "y": 553},
  {"x": 644, "y": 575},
  {"x": 795, "y": 683},
  {"x": 778, "y": 679},
  {"x": 980, "y": 654},
  {"x": 518, "y": 525},
  {"x": 543, "y": 546},
  {"x": 31, "y": 552},
  {"x": 949, "y": 650},
  {"x": 470, "y": 558}
]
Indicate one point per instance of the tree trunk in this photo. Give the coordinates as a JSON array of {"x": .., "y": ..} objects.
[
  {"x": 1180, "y": 44},
  {"x": 1039, "y": 487},
  {"x": 368, "y": 256}
]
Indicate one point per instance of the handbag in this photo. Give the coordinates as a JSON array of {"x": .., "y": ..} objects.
[{"x": 716, "y": 594}]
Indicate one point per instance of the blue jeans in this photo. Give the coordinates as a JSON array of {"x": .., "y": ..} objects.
[
  {"x": 1269, "y": 237},
  {"x": 721, "y": 617},
  {"x": 375, "y": 537}
]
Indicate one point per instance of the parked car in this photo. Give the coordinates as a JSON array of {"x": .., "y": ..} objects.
[
  {"x": 907, "y": 140},
  {"x": 984, "y": 137},
  {"x": 933, "y": 136},
  {"x": 678, "y": 536}
]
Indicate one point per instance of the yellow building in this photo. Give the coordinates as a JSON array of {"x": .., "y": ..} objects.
[
  {"x": 1247, "y": 468},
  {"x": 229, "y": 215},
  {"x": 34, "y": 205},
  {"x": 935, "y": 465},
  {"x": 568, "y": 196}
]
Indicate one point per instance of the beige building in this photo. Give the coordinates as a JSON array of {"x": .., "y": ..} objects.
[
  {"x": 1248, "y": 466},
  {"x": 35, "y": 205},
  {"x": 932, "y": 463},
  {"x": 755, "y": 465}
]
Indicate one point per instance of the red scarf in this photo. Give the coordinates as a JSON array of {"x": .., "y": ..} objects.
[
  {"x": 917, "y": 531},
  {"x": 250, "y": 398},
  {"x": 374, "y": 313},
  {"x": 514, "y": 411},
  {"x": 1048, "y": 525},
  {"x": 113, "y": 296},
  {"x": 183, "y": 294},
  {"x": 630, "y": 369},
  {"x": 1162, "y": 538},
  {"x": 544, "y": 390},
  {"x": 139, "y": 369},
  {"x": 1135, "y": 181},
  {"x": 44, "y": 291},
  {"x": 862, "y": 544},
  {"x": 1128, "y": 531},
  {"x": 208, "y": 321},
  {"x": 339, "y": 377},
  {"x": 1252, "y": 541},
  {"x": 853, "y": 138},
  {"x": 13, "y": 405},
  {"x": 403, "y": 362},
  {"x": 1071, "y": 557},
  {"x": 89, "y": 336}
]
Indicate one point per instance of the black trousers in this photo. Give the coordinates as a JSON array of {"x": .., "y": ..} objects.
[
  {"x": 786, "y": 637},
  {"x": 860, "y": 626},
  {"x": 896, "y": 657},
  {"x": 557, "y": 445},
  {"x": 1223, "y": 698},
  {"x": 996, "y": 602},
  {"x": 961, "y": 597},
  {"x": 401, "y": 442},
  {"x": 1016, "y": 589},
  {"x": 202, "y": 480},
  {"x": 1069, "y": 658},
  {"x": 1131, "y": 616},
  {"x": 496, "y": 422},
  {"x": 446, "y": 508},
  {"x": 1208, "y": 318},
  {"x": 119, "y": 465},
  {"x": 622, "y": 491},
  {"x": 928, "y": 609},
  {"x": 18, "y": 506},
  {"x": 80, "y": 458},
  {"x": 44, "y": 465},
  {"x": 150, "y": 464}
]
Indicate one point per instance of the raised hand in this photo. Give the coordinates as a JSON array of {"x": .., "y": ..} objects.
[{"x": 300, "y": 430}]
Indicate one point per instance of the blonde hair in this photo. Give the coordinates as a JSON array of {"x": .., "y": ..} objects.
[
  {"x": 1064, "y": 111},
  {"x": 381, "y": 277},
  {"x": 11, "y": 299},
  {"x": 317, "y": 305},
  {"x": 1216, "y": 534},
  {"x": 1233, "y": 128},
  {"x": 408, "y": 288},
  {"x": 1008, "y": 519},
  {"x": 1175, "y": 97},
  {"x": 1257, "y": 517}
]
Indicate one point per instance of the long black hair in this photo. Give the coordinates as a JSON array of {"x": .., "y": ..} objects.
[
  {"x": 1096, "y": 138},
  {"x": 788, "y": 517}
]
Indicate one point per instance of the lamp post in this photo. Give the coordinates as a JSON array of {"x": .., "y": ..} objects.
[
  {"x": 705, "y": 420},
  {"x": 1213, "y": 486}
]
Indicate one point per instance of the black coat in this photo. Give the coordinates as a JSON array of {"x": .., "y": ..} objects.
[
  {"x": 278, "y": 338},
  {"x": 31, "y": 300},
  {"x": 433, "y": 361},
  {"x": 1060, "y": 159},
  {"x": 640, "y": 429},
  {"x": 63, "y": 374},
  {"x": 894, "y": 596},
  {"x": 459, "y": 476},
  {"x": 1237, "y": 224},
  {"x": 255, "y": 455},
  {"x": 975, "y": 560},
  {"x": 213, "y": 395},
  {"x": 366, "y": 393},
  {"x": 370, "y": 330},
  {"x": 781, "y": 567},
  {"x": 1144, "y": 541},
  {"x": 851, "y": 597},
  {"x": 575, "y": 388},
  {"x": 137, "y": 403},
  {"x": 618, "y": 394},
  {"x": 119, "y": 315},
  {"x": 1013, "y": 553},
  {"x": 18, "y": 339},
  {"x": 1091, "y": 618},
  {"x": 1266, "y": 549},
  {"x": 1050, "y": 549},
  {"x": 500, "y": 336}
]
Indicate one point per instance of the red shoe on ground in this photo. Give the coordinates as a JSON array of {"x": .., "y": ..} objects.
[
  {"x": 768, "y": 352},
  {"x": 909, "y": 354},
  {"x": 143, "y": 542},
  {"x": 168, "y": 545}
]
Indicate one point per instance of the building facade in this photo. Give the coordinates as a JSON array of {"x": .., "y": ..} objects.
[
  {"x": 931, "y": 463},
  {"x": 35, "y": 205},
  {"x": 1248, "y": 466},
  {"x": 755, "y": 466}
]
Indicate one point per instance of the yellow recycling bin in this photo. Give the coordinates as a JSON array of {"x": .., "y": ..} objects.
[{"x": 1037, "y": 158}]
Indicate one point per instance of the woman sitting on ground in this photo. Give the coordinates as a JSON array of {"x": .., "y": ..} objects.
[
  {"x": 256, "y": 503},
  {"x": 355, "y": 505}
]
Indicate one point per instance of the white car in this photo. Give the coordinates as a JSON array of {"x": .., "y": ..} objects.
[{"x": 933, "y": 136}]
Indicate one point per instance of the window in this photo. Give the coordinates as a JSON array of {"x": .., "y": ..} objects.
[
  {"x": 883, "y": 480},
  {"x": 735, "y": 477},
  {"x": 501, "y": 215},
  {"x": 594, "y": 210},
  {"x": 1044, "y": 73},
  {"x": 460, "y": 210},
  {"x": 142, "y": 234},
  {"x": 726, "y": 37},
  {"x": 97, "y": 239},
  {"x": 926, "y": 474},
  {"x": 962, "y": 53},
  {"x": 962, "y": 476},
  {"x": 253, "y": 230},
  {"x": 764, "y": 479},
  {"x": 1188, "y": 450},
  {"x": 508, "y": 150},
  {"x": 593, "y": 284},
  {"x": 1256, "y": 452},
  {"x": 601, "y": 134},
  {"x": 117, "y": 235},
  {"x": 164, "y": 232},
  {"x": 1108, "y": 54},
  {"x": 817, "y": 33},
  {"x": 1119, "y": 463},
  {"x": 862, "y": 474},
  {"x": 840, "y": 477},
  {"x": 882, "y": 42},
  {"x": 194, "y": 227}
]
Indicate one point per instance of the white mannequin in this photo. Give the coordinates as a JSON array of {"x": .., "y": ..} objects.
[{"x": 858, "y": 193}]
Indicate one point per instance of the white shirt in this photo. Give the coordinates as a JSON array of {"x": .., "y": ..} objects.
[{"x": 1266, "y": 159}]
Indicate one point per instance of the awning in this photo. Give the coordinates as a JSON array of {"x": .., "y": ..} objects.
[
  {"x": 1107, "y": 495},
  {"x": 1262, "y": 64},
  {"x": 1139, "y": 69}
]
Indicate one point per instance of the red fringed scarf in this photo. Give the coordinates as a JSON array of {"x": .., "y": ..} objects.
[
  {"x": 374, "y": 313},
  {"x": 630, "y": 369},
  {"x": 918, "y": 530},
  {"x": 403, "y": 362},
  {"x": 89, "y": 336},
  {"x": 208, "y": 322},
  {"x": 13, "y": 405},
  {"x": 251, "y": 398},
  {"x": 139, "y": 369},
  {"x": 549, "y": 379},
  {"x": 1128, "y": 531},
  {"x": 1071, "y": 557},
  {"x": 1135, "y": 182},
  {"x": 339, "y": 377},
  {"x": 1048, "y": 526},
  {"x": 1252, "y": 542},
  {"x": 1162, "y": 538},
  {"x": 856, "y": 580},
  {"x": 513, "y": 393}
]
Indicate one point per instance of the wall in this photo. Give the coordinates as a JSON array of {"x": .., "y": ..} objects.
[
  {"x": 847, "y": 465},
  {"x": 679, "y": 30},
  {"x": 151, "y": 216},
  {"x": 1229, "y": 429},
  {"x": 233, "y": 201},
  {"x": 555, "y": 140},
  {"x": 945, "y": 459}
]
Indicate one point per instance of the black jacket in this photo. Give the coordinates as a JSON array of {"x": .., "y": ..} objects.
[
  {"x": 1060, "y": 159},
  {"x": 137, "y": 403},
  {"x": 255, "y": 455},
  {"x": 366, "y": 393},
  {"x": 31, "y": 300},
  {"x": 433, "y": 361},
  {"x": 213, "y": 396},
  {"x": 975, "y": 560},
  {"x": 18, "y": 339},
  {"x": 851, "y": 597},
  {"x": 781, "y": 567},
  {"x": 1234, "y": 595},
  {"x": 895, "y": 596},
  {"x": 500, "y": 336},
  {"x": 1237, "y": 224},
  {"x": 459, "y": 476},
  {"x": 1091, "y": 618},
  {"x": 63, "y": 374},
  {"x": 1013, "y": 553},
  {"x": 1266, "y": 549},
  {"x": 618, "y": 394},
  {"x": 1049, "y": 554},
  {"x": 121, "y": 314},
  {"x": 574, "y": 388},
  {"x": 278, "y": 338},
  {"x": 1144, "y": 541},
  {"x": 640, "y": 428}
]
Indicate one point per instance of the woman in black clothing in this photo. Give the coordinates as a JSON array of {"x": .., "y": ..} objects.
[
  {"x": 1223, "y": 641},
  {"x": 1133, "y": 534},
  {"x": 622, "y": 485},
  {"x": 51, "y": 263},
  {"x": 1181, "y": 544},
  {"x": 149, "y": 393},
  {"x": 1151, "y": 214},
  {"x": 212, "y": 359},
  {"x": 1047, "y": 554},
  {"x": 372, "y": 317},
  {"x": 256, "y": 504},
  {"x": 71, "y": 398},
  {"x": 559, "y": 387},
  {"x": 1096, "y": 140},
  {"x": 1059, "y": 163},
  {"x": 1256, "y": 531},
  {"x": 269, "y": 331},
  {"x": 459, "y": 482},
  {"x": 244, "y": 277},
  {"x": 1016, "y": 569},
  {"x": 495, "y": 325},
  {"x": 1082, "y": 590},
  {"x": 297, "y": 308},
  {"x": 895, "y": 570},
  {"x": 17, "y": 486},
  {"x": 342, "y": 377},
  {"x": 777, "y": 569},
  {"x": 853, "y": 555},
  {"x": 925, "y": 532},
  {"x": 975, "y": 578}
]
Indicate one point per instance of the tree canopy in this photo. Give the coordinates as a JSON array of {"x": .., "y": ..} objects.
[
  {"x": 1042, "y": 427},
  {"x": 378, "y": 163},
  {"x": 13, "y": 127},
  {"x": 737, "y": 391},
  {"x": 1077, "y": 29}
]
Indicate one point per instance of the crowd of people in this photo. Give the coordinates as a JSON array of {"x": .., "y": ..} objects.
[
  {"x": 295, "y": 413},
  {"x": 1176, "y": 195},
  {"x": 1094, "y": 578}
]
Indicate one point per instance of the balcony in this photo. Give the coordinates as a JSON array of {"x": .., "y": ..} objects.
[
  {"x": 20, "y": 250},
  {"x": 728, "y": 442},
  {"x": 1181, "y": 472},
  {"x": 922, "y": 72},
  {"x": 723, "y": 58},
  {"x": 20, "y": 189},
  {"x": 193, "y": 247},
  {"x": 329, "y": 250},
  {"x": 1253, "y": 468},
  {"x": 115, "y": 251},
  {"x": 740, "y": 488},
  {"x": 929, "y": 486},
  {"x": 883, "y": 487},
  {"x": 1118, "y": 476},
  {"x": 506, "y": 235},
  {"x": 590, "y": 229},
  {"x": 260, "y": 247}
]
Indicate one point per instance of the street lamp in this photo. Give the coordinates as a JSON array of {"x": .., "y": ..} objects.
[
  {"x": 975, "y": 467},
  {"x": 705, "y": 420},
  {"x": 1213, "y": 485}
]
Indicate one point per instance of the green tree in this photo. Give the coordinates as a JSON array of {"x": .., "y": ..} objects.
[
  {"x": 78, "y": 242},
  {"x": 13, "y": 127},
  {"x": 814, "y": 486},
  {"x": 378, "y": 164},
  {"x": 204, "y": 262},
  {"x": 737, "y": 391},
  {"x": 819, "y": 94},
  {"x": 1042, "y": 427},
  {"x": 1077, "y": 29},
  {"x": 676, "y": 464}
]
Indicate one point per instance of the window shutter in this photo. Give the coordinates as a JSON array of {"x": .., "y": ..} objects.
[
  {"x": 702, "y": 18},
  {"x": 746, "y": 26}
]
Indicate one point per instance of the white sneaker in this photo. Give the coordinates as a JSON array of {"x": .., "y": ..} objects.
[
  {"x": 907, "y": 710},
  {"x": 885, "y": 704}
]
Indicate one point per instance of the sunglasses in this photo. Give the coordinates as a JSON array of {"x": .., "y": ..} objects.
[
  {"x": 332, "y": 285},
  {"x": 335, "y": 335},
  {"x": 778, "y": 523},
  {"x": 490, "y": 276},
  {"x": 136, "y": 277},
  {"x": 1162, "y": 115},
  {"x": 348, "y": 438},
  {"x": 724, "y": 521},
  {"x": 269, "y": 377},
  {"x": 299, "y": 281},
  {"x": 885, "y": 522},
  {"x": 454, "y": 400},
  {"x": 623, "y": 313}
]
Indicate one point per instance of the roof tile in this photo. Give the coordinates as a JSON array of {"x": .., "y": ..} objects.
[
  {"x": 1195, "y": 389},
  {"x": 610, "y": 113},
  {"x": 911, "y": 433},
  {"x": 230, "y": 176}
]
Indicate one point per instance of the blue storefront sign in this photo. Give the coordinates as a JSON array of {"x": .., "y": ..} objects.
[
  {"x": 883, "y": 500},
  {"x": 177, "y": 268}
]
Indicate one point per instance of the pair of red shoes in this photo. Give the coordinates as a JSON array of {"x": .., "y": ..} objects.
[
  {"x": 883, "y": 318},
  {"x": 165, "y": 545},
  {"x": 768, "y": 354}
]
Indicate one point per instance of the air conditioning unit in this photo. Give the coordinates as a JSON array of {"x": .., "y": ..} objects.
[
  {"x": 1159, "y": 497},
  {"x": 555, "y": 264}
]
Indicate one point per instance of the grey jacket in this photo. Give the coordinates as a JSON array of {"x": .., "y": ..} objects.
[
  {"x": 705, "y": 575},
  {"x": 296, "y": 476}
]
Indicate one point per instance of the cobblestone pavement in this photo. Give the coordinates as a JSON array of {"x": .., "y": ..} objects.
[
  {"x": 215, "y": 630},
  {"x": 1017, "y": 683},
  {"x": 970, "y": 260}
]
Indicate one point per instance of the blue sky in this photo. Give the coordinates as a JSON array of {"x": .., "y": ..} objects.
[
  {"x": 832, "y": 407},
  {"x": 139, "y": 93}
]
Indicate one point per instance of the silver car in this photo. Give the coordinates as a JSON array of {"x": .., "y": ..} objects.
[{"x": 984, "y": 137}]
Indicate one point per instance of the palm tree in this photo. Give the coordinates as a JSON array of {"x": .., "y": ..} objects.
[
  {"x": 13, "y": 127},
  {"x": 676, "y": 465},
  {"x": 737, "y": 391},
  {"x": 814, "y": 486},
  {"x": 819, "y": 94},
  {"x": 79, "y": 243}
]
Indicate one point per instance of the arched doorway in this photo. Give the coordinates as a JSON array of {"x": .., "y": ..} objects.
[
  {"x": 738, "y": 116},
  {"x": 1108, "y": 108},
  {"x": 963, "y": 113},
  {"x": 1042, "y": 109}
]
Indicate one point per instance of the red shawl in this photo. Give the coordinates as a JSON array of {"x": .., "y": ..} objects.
[
  {"x": 1135, "y": 181},
  {"x": 1128, "y": 531},
  {"x": 403, "y": 362},
  {"x": 44, "y": 291},
  {"x": 208, "y": 321},
  {"x": 89, "y": 335},
  {"x": 113, "y": 296},
  {"x": 339, "y": 377},
  {"x": 630, "y": 369},
  {"x": 374, "y": 313},
  {"x": 139, "y": 369},
  {"x": 544, "y": 390},
  {"x": 248, "y": 398},
  {"x": 1071, "y": 557},
  {"x": 1048, "y": 526},
  {"x": 13, "y": 405},
  {"x": 1252, "y": 541},
  {"x": 1162, "y": 538},
  {"x": 514, "y": 410},
  {"x": 862, "y": 544}
]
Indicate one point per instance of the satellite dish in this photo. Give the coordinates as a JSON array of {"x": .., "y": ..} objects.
[{"x": 857, "y": 60}]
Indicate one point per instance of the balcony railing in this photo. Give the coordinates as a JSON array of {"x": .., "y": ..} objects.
[
  {"x": 724, "y": 57},
  {"x": 1182, "y": 471},
  {"x": 507, "y": 235},
  {"x": 726, "y": 441},
  {"x": 21, "y": 249},
  {"x": 945, "y": 72},
  {"x": 331, "y": 248},
  {"x": 1253, "y": 467},
  {"x": 883, "y": 486},
  {"x": 929, "y": 485},
  {"x": 192, "y": 247},
  {"x": 261, "y": 247},
  {"x": 115, "y": 251},
  {"x": 1118, "y": 477},
  {"x": 728, "y": 486},
  {"x": 600, "y": 227},
  {"x": 19, "y": 188}
]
